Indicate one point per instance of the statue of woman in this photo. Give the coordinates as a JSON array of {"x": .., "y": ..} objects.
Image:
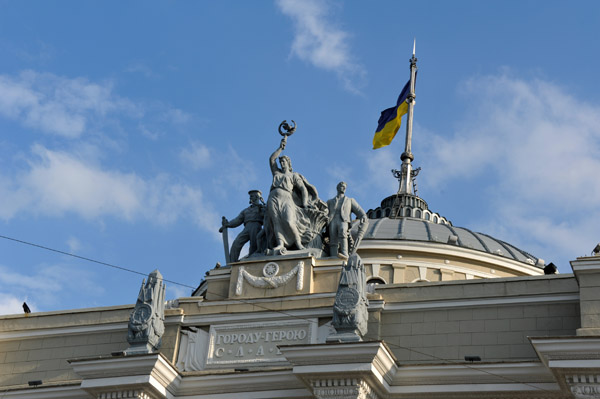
[{"x": 295, "y": 213}]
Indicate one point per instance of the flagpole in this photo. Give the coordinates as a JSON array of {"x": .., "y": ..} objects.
[{"x": 407, "y": 156}]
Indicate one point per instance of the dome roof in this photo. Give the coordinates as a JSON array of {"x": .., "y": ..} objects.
[{"x": 413, "y": 229}]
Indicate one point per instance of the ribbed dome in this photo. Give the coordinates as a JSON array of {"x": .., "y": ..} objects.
[{"x": 412, "y": 229}]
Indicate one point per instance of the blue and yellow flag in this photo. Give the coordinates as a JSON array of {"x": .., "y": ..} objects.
[{"x": 390, "y": 119}]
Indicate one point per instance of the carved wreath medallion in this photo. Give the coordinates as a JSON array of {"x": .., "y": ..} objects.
[
  {"x": 271, "y": 269},
  {"x": 347, "y": 298}
]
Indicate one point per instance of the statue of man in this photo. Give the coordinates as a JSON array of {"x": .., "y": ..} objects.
[
  {"x": 252, "y": 218},
  {"x": 341, "y": 209}
]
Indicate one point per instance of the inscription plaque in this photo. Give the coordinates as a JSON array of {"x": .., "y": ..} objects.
[{"x": 250, "y": 343}]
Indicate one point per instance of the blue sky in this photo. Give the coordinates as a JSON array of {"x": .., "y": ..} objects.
[{"x": 129, "y": 128}]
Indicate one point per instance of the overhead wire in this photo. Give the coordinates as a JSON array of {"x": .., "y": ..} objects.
[
  {"x": 291, "y": 315},
  {"x": 88, "y": 259}
]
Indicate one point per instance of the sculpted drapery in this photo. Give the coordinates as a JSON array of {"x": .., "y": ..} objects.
[{"x": 295, "y": 215}]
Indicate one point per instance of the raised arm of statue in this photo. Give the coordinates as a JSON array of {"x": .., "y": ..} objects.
[
  {"x": 274, "y": 155},
  {"x": 238, "y": 220}
]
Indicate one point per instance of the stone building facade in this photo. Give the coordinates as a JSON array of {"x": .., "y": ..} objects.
[
  {"x": 433, "y": 308},
  {"x": 451, "y": 313}
]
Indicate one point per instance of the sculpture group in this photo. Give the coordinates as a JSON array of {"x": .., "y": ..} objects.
[{"x": 294, "y": 218}]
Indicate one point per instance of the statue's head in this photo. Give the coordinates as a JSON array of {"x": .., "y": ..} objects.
[
  {"x": 255, "y": 197},
  {"x": 286, "y": 163},
  {"x": 341, "y": 187}
]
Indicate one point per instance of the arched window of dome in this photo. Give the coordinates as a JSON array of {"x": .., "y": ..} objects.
[
  {"x": 376, "y": 280},
  {"x": 435, "y": 219},
  {"x": 418, "y": 214},
  {"x": 388, "y": 211},
  {"x": 407, "y": 212},
  {"x": 378, "y": 214},
  {"x": 427, "y": 216}
]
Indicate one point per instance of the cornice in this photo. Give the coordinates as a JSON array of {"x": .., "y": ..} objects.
[
  {"x": 77, "y": 330},
  {"x": 446, "y": 250},
  {"x": 53, "y": 392},
  {"x": 571, "y": 352},
  {"x": 474, "y": 302},
  {"x": 467, "y": 373},
  {"x": 151, "y": 374},
  {"x": 239, "y": 382}
]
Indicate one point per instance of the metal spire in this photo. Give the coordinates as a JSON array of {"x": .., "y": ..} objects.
[{"x": 407, "y": 157}]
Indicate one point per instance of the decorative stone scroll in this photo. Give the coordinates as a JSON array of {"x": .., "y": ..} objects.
[
  {"x": 584, "y": 386},
  {"x": 125, "y": 394},
  {"x": 270, "y": 278},
  {"x": 342, "y": 388}
]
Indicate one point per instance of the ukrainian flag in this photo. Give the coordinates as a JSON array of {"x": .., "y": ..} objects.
[{"x": 390, "y": 119}]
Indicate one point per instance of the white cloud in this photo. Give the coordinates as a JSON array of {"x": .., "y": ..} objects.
[
  {"x": 58, "y": 105},
  {"x": 149, "y": 134},
  {"x": 196, "y": 155},
  {"x": 175, "y": 115},
  {"x": 10, "y": 304},
  {"x": 45, "y": 287},
  {"x": 74, "y": 244},
  {"x": 167, "y": 202},
  {"x": 318, "y": 41},
  {"x": 177, "y": 291},
  {"x": 379, "y": 166},
  {"x": 142, "y": 69},
  {"x": 58, "y": 183},
  {"x": 537, "y": 150},
  {"x": 237, "y": 173}
]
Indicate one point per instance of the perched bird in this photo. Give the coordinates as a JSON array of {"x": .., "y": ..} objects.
[{"x": 26, "y": 308}]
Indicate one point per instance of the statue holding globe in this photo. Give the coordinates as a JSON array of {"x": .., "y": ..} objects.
[{"x": 295, "y": 215}]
